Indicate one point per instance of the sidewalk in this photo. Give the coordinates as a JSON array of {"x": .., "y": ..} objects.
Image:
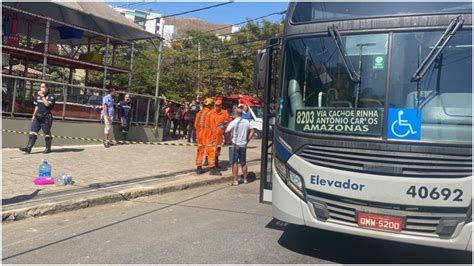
[{"x": 103, "y": 175}]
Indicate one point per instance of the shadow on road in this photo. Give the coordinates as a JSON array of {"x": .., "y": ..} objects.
[
  {"x": 67, "y": 150},
  {"x": 20, "y": 198},
  {"x": 341, "y": 248},
  {"x": 61, "y": 150}
]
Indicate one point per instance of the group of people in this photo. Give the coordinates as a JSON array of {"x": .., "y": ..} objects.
[
  {"x": 181, "y": 118},
  {"x": 42, "y": 118},
  {"x": 212, "y": 123},
  {"x": 205, "y": 125},
  {"x": 108, "y": 113}
]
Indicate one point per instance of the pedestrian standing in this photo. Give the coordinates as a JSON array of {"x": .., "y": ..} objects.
[
  {"x": 245, "y": 111},
  {"x": 185, "y": 121},
  {"x": 176, "y": 119},
  {"x": 41, "y": 119},
  {"x": 220, "y": 120},
  {"x": 205, "y": 141},
  {"x": 108, "y": 112},
  {"x": 167, "y": 116},
  {"x": 193, "y": 110},
  {"x": 241, "y": 133},
  {"x": 125, "y": 108}
]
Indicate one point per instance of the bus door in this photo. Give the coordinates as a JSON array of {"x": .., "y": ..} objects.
[{"x": 265, "y": 78}]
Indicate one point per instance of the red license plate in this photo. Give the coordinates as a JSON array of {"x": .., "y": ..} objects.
[{"x": 379, "y": 222}]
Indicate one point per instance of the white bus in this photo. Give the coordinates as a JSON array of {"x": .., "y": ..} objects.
[{"x": 373, "y": 121}]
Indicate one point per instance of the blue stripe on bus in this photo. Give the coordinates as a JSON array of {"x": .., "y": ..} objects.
[{"x": 281, "y": 151}]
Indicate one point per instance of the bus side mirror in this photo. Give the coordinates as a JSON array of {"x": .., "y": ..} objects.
[{"x": 260, "y": 69}]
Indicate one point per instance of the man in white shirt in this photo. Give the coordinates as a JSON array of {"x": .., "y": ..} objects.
[{"x": 241, "y": 132}]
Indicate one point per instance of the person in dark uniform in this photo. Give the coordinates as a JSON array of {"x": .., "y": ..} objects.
[
  {"x": 125, "y": 108},
  {"x": 42, "y": 119}
]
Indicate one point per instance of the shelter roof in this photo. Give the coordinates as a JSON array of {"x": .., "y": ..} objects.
[{"x": 95, "y": 16}]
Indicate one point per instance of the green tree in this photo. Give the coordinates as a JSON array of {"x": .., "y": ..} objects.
[{"x": 225, "y": 66}]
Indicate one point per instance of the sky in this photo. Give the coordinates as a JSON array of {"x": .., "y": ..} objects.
[{"x": 228, "y": 14}]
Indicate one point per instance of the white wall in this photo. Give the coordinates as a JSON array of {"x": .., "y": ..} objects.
[
  {"x": 169, "y": 32},
  {"x": 150, "y": 24}
]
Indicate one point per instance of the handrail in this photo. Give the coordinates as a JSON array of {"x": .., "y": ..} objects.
[
  {"x": 74, "y": 60},
  {"x": 77, "y": 86}
]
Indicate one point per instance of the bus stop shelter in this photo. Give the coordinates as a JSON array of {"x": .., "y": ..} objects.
[{"x": 75, "y": 39}]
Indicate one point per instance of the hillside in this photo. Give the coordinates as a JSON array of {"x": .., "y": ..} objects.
[{"x": 186, "y": 24}]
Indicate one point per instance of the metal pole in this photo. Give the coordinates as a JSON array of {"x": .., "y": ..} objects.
[
  {"x": 14, "y": 98},
  {"x": 135, "y": 113},
  {"x": 157, "y": 87},
  {"x": 86, "y": 79},
  {"x": 46, "y": 44},
  {"x": 65, "y": 91},
  {"x": 113, "y": 54},
  {"x": 131, "y": 69},
  {"x": 158, "y": 67},
  {"x": 106, "y": 57},
  {"x": 147, "y": 112},
  {"x": 31, "y": 90},
  {"x": 28, "y": 35},
  {"x": 65, "y": 88},
  {"x": 112, "y": 64},
  {"x": 199, "y": 67}
]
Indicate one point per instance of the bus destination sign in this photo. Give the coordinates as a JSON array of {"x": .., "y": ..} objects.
[{"x": 362, "y": 121}]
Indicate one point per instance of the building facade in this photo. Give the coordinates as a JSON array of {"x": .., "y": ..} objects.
[{"x": 151, "y": 22}]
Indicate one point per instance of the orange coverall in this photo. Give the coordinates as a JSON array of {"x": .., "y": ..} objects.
[
  {"x": 220, "y": 120},
  {"x": 204, "y": 138}
]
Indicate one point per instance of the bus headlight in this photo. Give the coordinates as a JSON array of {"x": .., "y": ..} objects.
[
  {"x": 296, "y": 180},
  {"x": 293, "y": 180},
  {"x": 296, "y": 183}
]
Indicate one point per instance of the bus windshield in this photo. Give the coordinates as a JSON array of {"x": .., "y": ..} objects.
[{"x": 320, "y": 96}]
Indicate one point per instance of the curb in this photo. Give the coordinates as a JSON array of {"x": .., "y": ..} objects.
[{"x": 110, "y": 197}]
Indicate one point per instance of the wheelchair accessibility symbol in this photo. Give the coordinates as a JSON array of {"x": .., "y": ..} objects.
[{"x": 404, "y": 124}]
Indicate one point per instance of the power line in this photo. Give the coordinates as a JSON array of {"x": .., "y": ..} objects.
[
  {"x": 199, "y": 9},
  {"x": 233, "y": 56},
  {"x": 136, "y": 4},
  {"x": 189, "y": 11},
  {"x": 236, "y": 24},
  {"x": 233, "y": 44},
  {"x": 244, "y": 55}
]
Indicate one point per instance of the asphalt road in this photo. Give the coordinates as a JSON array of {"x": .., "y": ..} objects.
[{"x": 215, "y": 224}]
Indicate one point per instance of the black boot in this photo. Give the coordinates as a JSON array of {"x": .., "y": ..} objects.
[
  {"x": 48, "y": 141},
  {"x": 31, "y": 143},
  {"x": 215, "y": 171},
  {"x": 199, "y": 170}
]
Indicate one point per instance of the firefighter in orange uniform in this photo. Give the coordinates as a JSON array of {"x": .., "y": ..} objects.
[
  {"x": 220, "y": 119},
  {"x": 204, "y": 137}
]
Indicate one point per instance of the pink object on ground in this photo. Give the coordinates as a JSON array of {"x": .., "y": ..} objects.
[{"x": 43, "y": 181}]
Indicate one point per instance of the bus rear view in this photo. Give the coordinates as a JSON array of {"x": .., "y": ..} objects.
[{"x": 373, "y": 131}]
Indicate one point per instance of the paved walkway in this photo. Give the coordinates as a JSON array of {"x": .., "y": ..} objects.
[{"x": 94, "y": 168}]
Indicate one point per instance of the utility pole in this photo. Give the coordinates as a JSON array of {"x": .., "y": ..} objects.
[
  {"x": 199, "y": 68},
  {"x": 158, "y": 67},
  {"x": 157, "y": 84}
]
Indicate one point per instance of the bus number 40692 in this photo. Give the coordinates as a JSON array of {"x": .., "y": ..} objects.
[{"x": 435, "y": 193}]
